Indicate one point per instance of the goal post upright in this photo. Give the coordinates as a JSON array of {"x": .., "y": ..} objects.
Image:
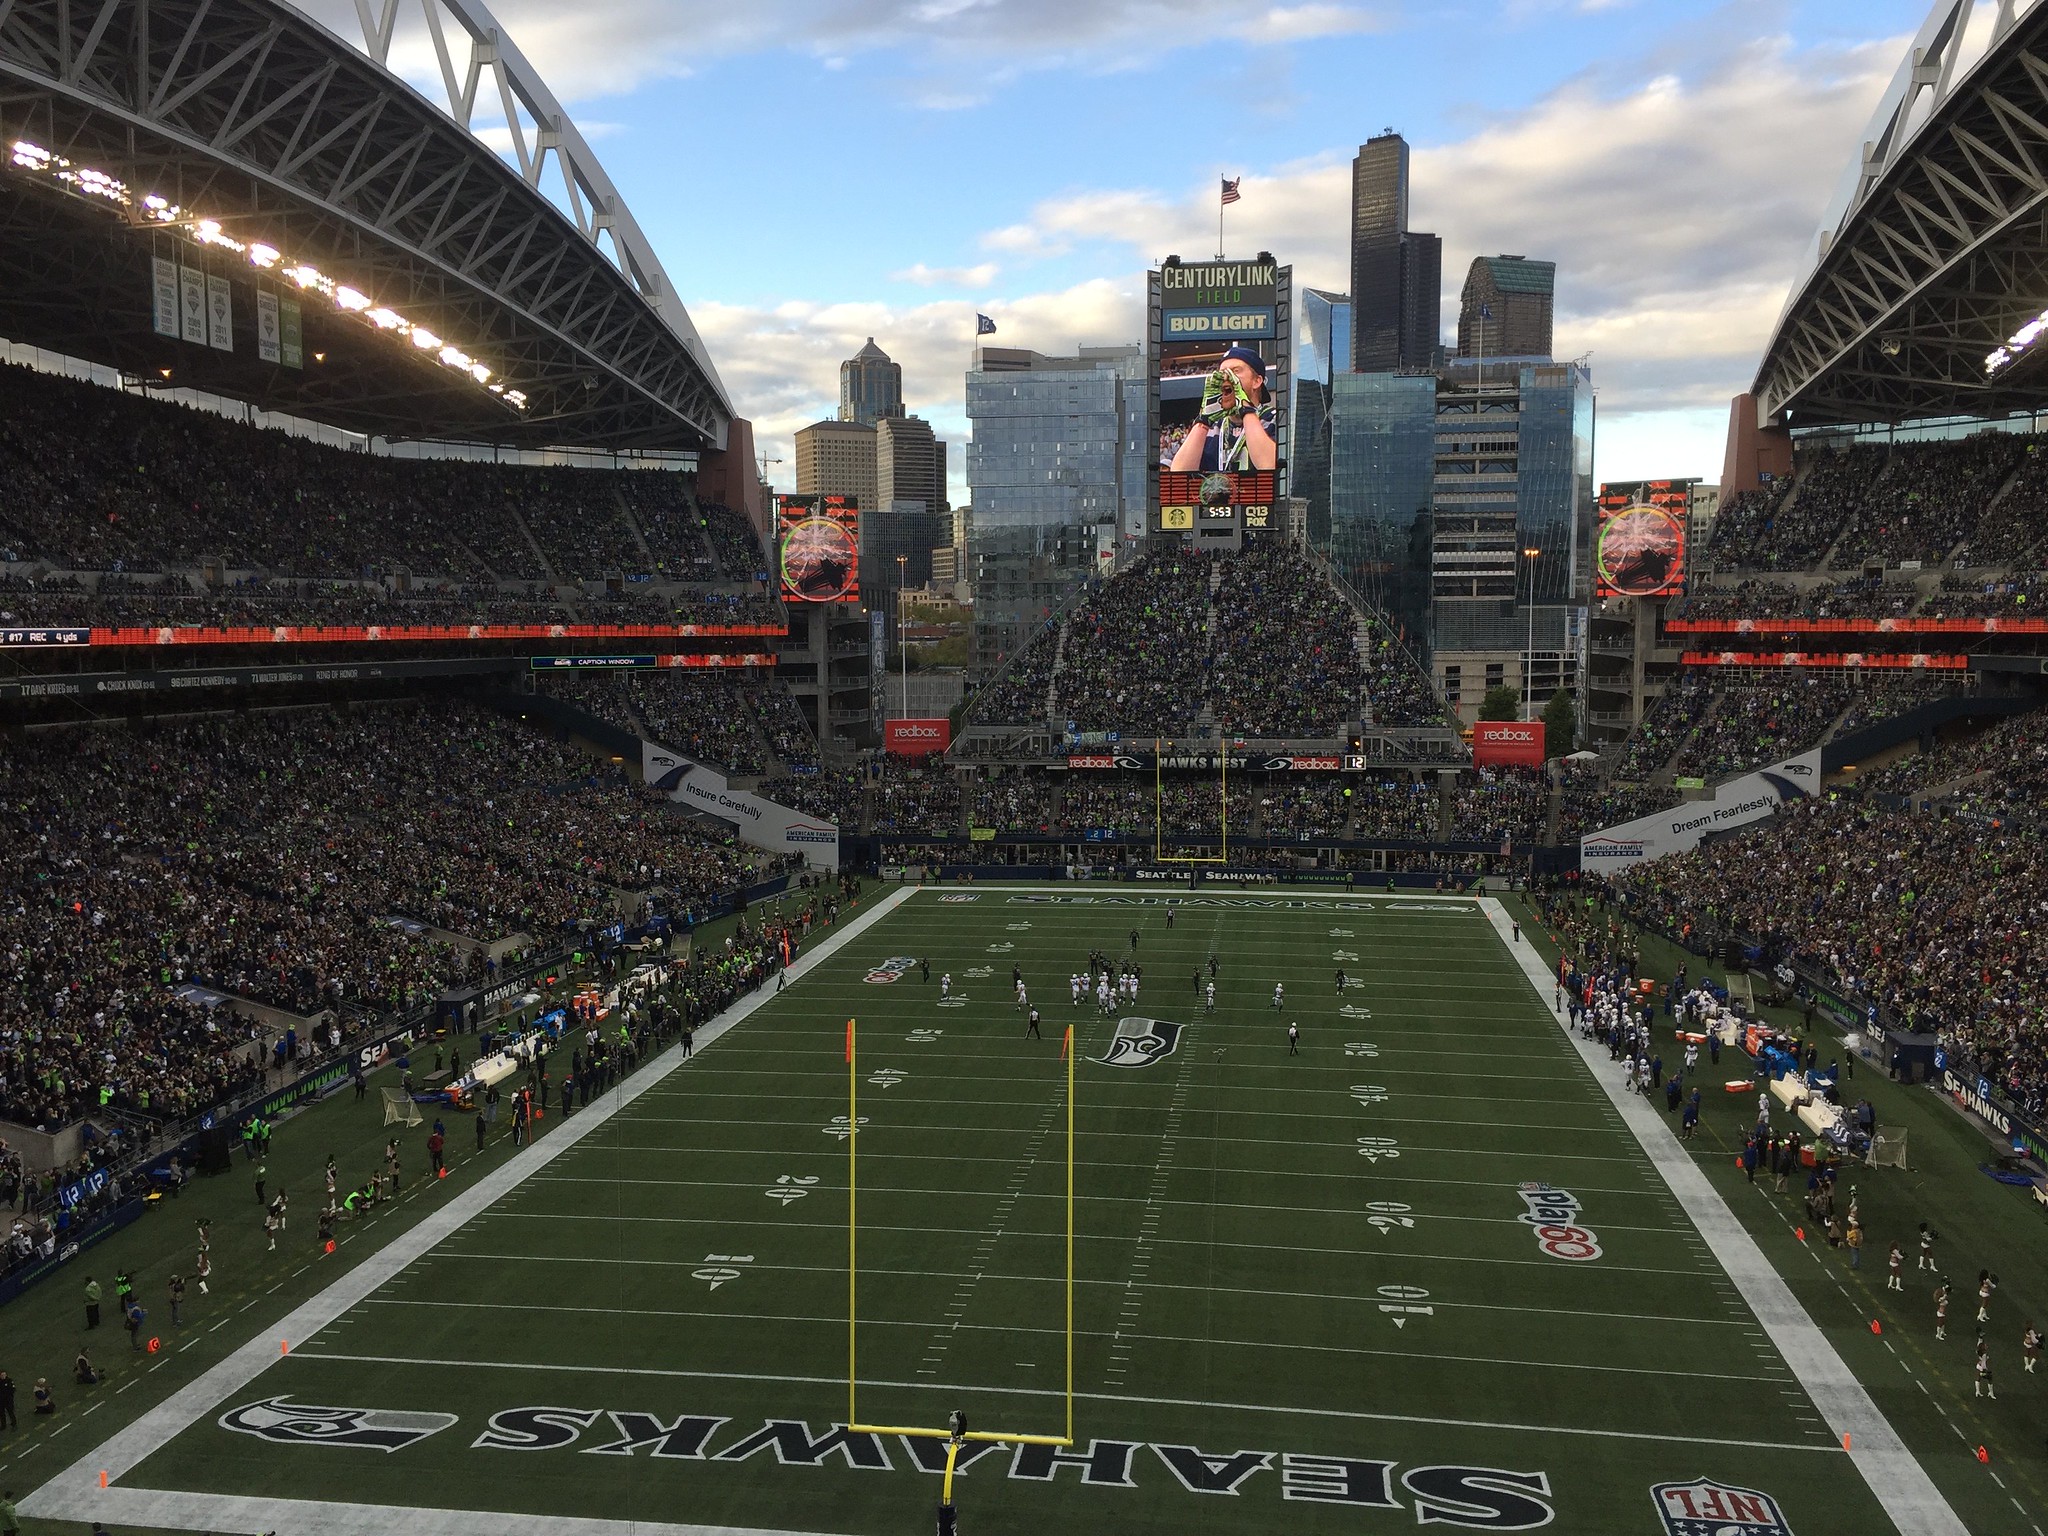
[
  {"x": 1071, "y": 1049},
  {"x": 1159, "y": 853}
]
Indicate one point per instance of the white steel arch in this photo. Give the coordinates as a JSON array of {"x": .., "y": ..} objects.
[
  {"x": 1955, "y": 38},
  {"x": 542, "y": 133}
]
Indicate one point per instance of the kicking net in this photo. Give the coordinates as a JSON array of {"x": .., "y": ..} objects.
[
  {"x": 399, "y": 1108},
  {"x": 1888, "y": 1149}
]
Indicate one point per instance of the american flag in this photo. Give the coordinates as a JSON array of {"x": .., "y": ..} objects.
[{"x": 1230, "y": 192}]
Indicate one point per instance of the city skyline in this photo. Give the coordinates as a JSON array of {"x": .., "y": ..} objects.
[{"x": 1638, "y": 146}]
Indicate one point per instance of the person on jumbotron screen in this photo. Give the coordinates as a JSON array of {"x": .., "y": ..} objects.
[{"x": 1234, "y": 431}]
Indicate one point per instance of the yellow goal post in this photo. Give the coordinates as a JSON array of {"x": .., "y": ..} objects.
[
  {"x": 1159, "y": 853},
  {"x": 1069, "y": 1049}
]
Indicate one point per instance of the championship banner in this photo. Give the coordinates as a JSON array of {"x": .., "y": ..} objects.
[
  {"x": 1516, "y": 742},
  {"x": 269, "y": 342},
  {"x": 163, "y": 315},
  {"x": 192, "y": 305},
  {"x": 290, "y": 343},
  {"x": 220, "y": 313}
]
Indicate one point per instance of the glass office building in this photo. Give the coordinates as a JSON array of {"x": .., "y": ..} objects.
[
  {"x": 1322, "y": 351},
  {"x": 1048, "y": 466},
  {"x": 1382, "y": 462},
  {"x": 1439, "y": 481}
]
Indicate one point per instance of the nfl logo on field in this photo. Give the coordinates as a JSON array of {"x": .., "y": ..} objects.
[{"x": 1707, "y": 1508}]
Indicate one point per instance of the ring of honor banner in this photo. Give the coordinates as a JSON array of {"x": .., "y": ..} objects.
[{"x": 817, "y": 544}]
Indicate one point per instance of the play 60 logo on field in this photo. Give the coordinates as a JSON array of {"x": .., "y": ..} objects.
[
  {"x": 893, "y": 969},
  {"x": 1553, "y": 1213}
]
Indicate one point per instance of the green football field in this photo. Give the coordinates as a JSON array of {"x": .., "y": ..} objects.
[{"x": 1423, "y": 1272}]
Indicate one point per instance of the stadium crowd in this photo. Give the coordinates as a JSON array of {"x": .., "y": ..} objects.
[
  {"x": 1932, "y": 918},
  {"x": 1262, "y": 640},
  {"x": 1856, "y": 598},
  {"x": 1286, "y": 648},
  {"x": 300, "y": 860},
  {"x": 1977, "y": 502},
  {"x": 168, "y": 487},
  {"x": 1137, "y": 655}
]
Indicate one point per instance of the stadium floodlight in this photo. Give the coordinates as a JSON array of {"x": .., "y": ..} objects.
[
  {"x": 2017, "y": 344},
  {"x": 161, "y": 213}
]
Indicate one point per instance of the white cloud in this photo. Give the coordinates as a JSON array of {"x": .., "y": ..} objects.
[
  {"x": 958, "y": 49},
  {"x": 1305, "y": 23},
  {"x": 781, "y": 362},
  {"x": 979, "y": 276},
  {"x": 1676, "y": 210}
]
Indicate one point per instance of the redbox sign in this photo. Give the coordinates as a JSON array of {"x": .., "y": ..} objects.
[
  {"x": 1507, "y": 741},
  {"x": 918, "y": 738}
]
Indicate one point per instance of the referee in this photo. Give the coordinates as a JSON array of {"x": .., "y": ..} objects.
[{"x": 1031, "y": 1026}]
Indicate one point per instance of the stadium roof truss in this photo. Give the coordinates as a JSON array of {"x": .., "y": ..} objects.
[
  {"x": 1933, "y": 256},
  {"x": 253, "y": 114}
]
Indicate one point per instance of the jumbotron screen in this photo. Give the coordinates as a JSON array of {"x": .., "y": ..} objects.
[
  {"x": 1222, "y": 364},
  {"x": 817, "y": 545},
  {"x": 1640, "y": 548}
]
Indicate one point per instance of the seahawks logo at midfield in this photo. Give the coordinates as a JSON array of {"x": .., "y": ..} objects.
[
  {"x": 1140, "y": 1042},
  {"x": 375, "y": 1429}
]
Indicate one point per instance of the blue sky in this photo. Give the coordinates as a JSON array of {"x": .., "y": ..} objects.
[{"x": 812, "y": 173}]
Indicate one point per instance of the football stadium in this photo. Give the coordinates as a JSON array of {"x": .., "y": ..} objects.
[{"x": 1291, "y": 959}]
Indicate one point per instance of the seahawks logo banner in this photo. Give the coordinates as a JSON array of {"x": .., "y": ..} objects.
[
  {"x": 374, "y": 1429},
  {"x": 1140, "y": 1042}
]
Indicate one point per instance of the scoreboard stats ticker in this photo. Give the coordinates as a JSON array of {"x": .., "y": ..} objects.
[{"x": 1191, "y": 500}]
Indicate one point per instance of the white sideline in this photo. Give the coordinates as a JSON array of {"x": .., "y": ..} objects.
[
  {"x": 1895, "y": 1476},
  {"x": 75, "y": 1494}
]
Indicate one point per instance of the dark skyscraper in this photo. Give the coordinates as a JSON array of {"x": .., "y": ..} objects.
[
  {"x": 1396, "y": 273},
  {"x": 1507, "y": 307},
  {"x": 870, "y": 386}
]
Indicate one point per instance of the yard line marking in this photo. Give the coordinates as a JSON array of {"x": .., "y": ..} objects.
[
  {"x": 1107, "y": 1237},
  {"x": 74, "y": 1494},
  {"x": 1349, "y": 1178},
  {"x": 1909, "y": 1496},
  {"x": 312, "y": 1353},
  {"x": 1680, "y": 1437}
]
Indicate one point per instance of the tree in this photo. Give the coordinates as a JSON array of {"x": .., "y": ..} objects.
[
  {"x": 1501, "y": 703},
  {"x": 1559, "y": 716}
]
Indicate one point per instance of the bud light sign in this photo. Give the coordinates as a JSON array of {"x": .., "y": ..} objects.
[
  {"x": 918, "y": 738},
  {"x": 1517, "y": 742}
]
